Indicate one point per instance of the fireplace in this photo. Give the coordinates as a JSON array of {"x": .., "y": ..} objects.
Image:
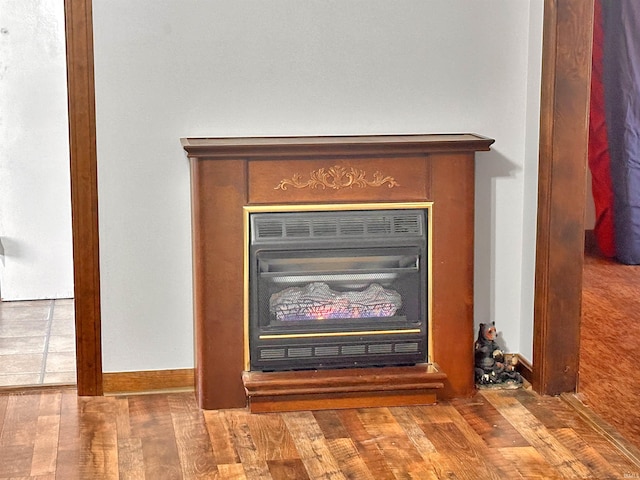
[
  {"x": 338, "y": 288},
  {"x": 319, "y": 319}
]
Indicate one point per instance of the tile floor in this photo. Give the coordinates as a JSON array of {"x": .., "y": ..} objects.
[{"x": 37, "y": 343}]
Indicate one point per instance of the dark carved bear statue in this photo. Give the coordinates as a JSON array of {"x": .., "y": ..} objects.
[{"x": 490, "y": 365}]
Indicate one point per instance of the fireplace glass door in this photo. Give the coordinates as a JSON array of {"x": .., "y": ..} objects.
[{"x": 338, "y": 289}]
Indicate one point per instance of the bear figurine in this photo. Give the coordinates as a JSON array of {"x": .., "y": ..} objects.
[{"x": 490, "y": 365}]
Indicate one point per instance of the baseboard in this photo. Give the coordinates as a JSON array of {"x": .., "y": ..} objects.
[
  {"x": 525, "y": 368},
  {"x": 148, "y": 381}
]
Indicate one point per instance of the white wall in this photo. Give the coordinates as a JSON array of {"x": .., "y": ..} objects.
[
  {"x": 177, "y": 68},
  {"x": 532, "y": 134},
  {"x": 35, "y": 201}
]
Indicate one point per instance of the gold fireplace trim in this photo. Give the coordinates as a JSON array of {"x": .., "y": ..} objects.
[
  {"x": 336, "y": 178},
  {"x": 315, "y": 207}
]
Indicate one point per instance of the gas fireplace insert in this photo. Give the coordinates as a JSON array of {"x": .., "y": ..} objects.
[{"x": 338, "y": 288}]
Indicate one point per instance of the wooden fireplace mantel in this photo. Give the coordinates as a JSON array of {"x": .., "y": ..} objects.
[
  {"x": 228, "y": 174},
  {"x": 264, "y": 147}
]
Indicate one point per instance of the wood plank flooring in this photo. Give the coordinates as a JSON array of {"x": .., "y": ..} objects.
[
  {"x": 507, "y": 434},
  {"x": 609, "y": 338}
]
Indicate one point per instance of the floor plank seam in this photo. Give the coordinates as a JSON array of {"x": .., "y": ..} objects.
[
  {"x": 603, "y": 428},
  {"x": 47, "y": 337}
]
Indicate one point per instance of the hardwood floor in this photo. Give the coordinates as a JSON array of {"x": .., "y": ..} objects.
[
  {"x": 509, "y": 434},
  {"x": 609, "y": 338}
]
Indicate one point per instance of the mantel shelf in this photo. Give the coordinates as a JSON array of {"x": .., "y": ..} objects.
[{"x": 315, "y": 146}]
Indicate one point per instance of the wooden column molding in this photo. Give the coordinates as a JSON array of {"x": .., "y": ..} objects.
[
  {"x": 84, "y": 195},
  {"x": 564, "y": 132}
]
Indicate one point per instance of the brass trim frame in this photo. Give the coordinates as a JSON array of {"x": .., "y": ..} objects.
[{"x": 322, "y": 207}]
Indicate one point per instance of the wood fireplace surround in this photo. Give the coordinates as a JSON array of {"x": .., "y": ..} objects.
[{"x": 229, "y": 174}]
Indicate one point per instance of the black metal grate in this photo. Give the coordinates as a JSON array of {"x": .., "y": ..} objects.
[
  {"x": 349, "y": 224},
  {"x": 347, "y": 252},
  {"x": 338, "y": 351}
]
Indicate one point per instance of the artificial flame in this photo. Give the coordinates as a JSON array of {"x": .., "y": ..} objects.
[{"x": 316, "y": 301}]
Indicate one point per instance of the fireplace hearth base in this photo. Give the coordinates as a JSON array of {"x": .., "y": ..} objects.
[{"x": 342, "y": 388}]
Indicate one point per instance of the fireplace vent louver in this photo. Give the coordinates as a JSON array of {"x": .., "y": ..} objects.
[
  {"x": 272, "y": 353},
  {"x": 379, "y": 227},
  {"x": 347, "y": 225},
  {"x": 297, "y": 228},
  {"x": 382, "y": 350},
  {"x": 300, "y": 352},
  {"x": 406, "y": 347},
  {"x": 325, "y": 228},
  {"x": 352, "y": 226},
  {"x": 332, "y": 350},
  {"x": 269, "y": 229},
  {"x": 407, "y": 225}
]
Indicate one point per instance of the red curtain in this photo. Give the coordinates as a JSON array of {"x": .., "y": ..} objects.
[{"x": 599, "y": 160}]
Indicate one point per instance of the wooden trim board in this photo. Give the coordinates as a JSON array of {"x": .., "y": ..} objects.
[
  {"x": 148, "y": 381},
  {"x": 564, "y": 122},
  {"x": 525, "y": 368},
  {"x": 84, "y": 195}
]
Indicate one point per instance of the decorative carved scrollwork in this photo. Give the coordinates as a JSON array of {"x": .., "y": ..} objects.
[{"x": 337, "y": 177}]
